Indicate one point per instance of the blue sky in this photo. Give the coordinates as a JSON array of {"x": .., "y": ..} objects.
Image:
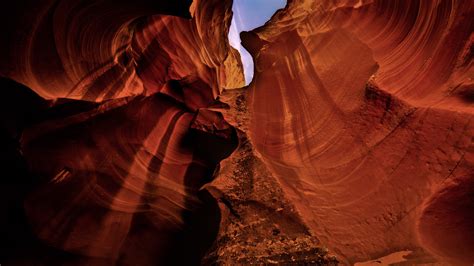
[{"x": 248, "y": 15}]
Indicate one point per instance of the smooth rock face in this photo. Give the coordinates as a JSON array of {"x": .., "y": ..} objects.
[
  {"x": 358, "y": 109},
  {"x": 118, "y": 147},
  {"x": 125, "y": 145},
  {"x": 93, "y": 51}
]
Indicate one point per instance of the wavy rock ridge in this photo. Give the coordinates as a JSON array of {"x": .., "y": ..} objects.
[
  {"x": 118, "y": 145},
  {"x": 360, "y": 109},
  {"x": 128, "y": 147}
]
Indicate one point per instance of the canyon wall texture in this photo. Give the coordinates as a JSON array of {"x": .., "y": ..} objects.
[
  {"x": 363, "y": 111},
  {"x": 122, "y": 137},
  {"x": 129, "y": 138}
]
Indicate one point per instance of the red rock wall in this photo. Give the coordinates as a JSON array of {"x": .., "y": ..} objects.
[
  {"x": 75, "y": 48},
  {"x": 122, "y": 149},
  {"x": 361, "y": 110}
]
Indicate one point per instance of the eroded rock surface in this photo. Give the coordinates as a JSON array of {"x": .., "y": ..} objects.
[
  {"x": 118, "y": 143},
  {"x": 259, "y": 225},
  {"x": 356, "y": 108},
  {"x": 128, "y": 146}
]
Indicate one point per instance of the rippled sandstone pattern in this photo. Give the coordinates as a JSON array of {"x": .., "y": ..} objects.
[
  {"x": 355, "y": 134},
  {"x": 118, "y": 138},
  {"x": 362, "y": 110}
]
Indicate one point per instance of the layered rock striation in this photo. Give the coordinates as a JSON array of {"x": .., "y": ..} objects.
[
  {"x": 360, "y": 110},
  {"x": 119, "y": 142},
  {"x": 128, "y": 146}
]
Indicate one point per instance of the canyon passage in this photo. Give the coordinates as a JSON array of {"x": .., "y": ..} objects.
[{"x": 213, "y": 132}]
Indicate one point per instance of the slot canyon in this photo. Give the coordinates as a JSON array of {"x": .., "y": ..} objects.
[{"x": 138, "y": 133}]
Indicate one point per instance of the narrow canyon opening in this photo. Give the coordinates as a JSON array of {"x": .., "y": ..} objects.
[{"x": 248, "y": 15}]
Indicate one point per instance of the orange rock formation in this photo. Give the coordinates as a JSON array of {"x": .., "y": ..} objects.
[
  {"x": 362, "y": 111},
  {"x": 129, "y": 147}
]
